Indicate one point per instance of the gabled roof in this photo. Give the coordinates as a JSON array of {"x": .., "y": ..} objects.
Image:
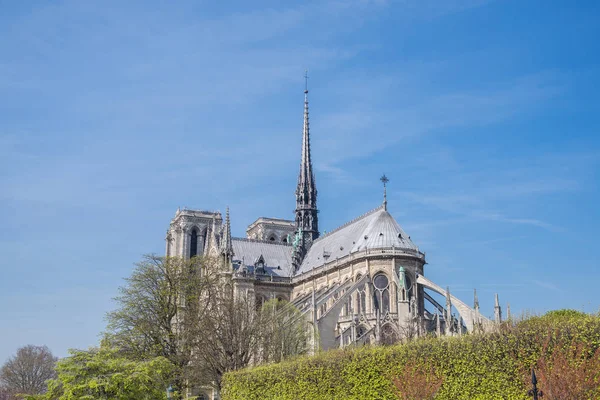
[
  {"x": 274, "y": 255},
  {"x": 286, "y": 223},
  {"x": 376, "y": 229}
]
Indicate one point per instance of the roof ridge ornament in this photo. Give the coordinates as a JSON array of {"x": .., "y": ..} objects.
[{"x": 385, "y": 180}]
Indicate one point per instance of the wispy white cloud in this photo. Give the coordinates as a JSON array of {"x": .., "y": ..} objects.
[
  {"x": 500, "y": 190},
  {"x": 546, "y": 285},
  {"x": 498, "y": 217},
  {"x": 503, "y": 285},
  {"x": 394, "y": 115}
]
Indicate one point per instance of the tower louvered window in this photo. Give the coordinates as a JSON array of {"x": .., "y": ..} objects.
[{"x": 194, "y": 243}]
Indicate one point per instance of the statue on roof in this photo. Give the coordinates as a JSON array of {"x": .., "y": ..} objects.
[{"x": 297, "y": 238}]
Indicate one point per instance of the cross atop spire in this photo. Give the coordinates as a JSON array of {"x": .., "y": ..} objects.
[
  {"x": 385, "y": 180},
  {"x": 305, "y": 81}
]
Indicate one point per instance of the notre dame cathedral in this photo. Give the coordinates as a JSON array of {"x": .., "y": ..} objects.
[{"x": 363, "y": 282}]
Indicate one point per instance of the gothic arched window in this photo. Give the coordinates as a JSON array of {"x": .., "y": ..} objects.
[
  {"x": 348, "y": 307},
  {"x": 381, "y": 297},
  {"x": 361, "y": 298},
  {"x": 194, "y": 243},
  {"x": 323, "y": 309}
]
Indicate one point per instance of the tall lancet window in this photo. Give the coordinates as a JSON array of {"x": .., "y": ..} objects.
[
  {"x": 194, "y": 243},
  {"x": 382, "y": 293},
  {"x": 361, "y": 298}
]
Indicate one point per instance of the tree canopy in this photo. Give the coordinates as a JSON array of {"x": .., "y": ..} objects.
[
  {"x": 104, "y": 373},
  {"x": 28, "y": 370},
  {"x": 180, "y": 323},
  {"x": 189, "y": 312}
]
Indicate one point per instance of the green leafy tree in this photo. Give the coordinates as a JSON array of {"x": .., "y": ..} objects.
[{"x": 104, "y": 373}]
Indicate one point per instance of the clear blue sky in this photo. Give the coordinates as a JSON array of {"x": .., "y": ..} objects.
[{"x": 483, "y": 114}]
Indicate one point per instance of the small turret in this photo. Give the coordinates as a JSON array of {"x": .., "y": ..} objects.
[
  {"x": 226, "y": 244},
  {"x": 402, "y": 289},
  {"x": 497, "y": 310},
  {"x": 476, "y": 306}
]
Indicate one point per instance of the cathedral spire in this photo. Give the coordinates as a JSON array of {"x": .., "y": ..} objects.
[
  {"x": 306, "y": 191},
  {"x": 226, "y": 245}
]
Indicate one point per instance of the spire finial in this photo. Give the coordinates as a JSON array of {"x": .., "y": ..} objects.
[
  {"x": 385, "y": 180},
  {"x": 305, "y": 81}
]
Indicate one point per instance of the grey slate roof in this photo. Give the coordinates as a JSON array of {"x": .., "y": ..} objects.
[
  {"x": 373, "y": 230},
  {"x": 274, "y": 254}
]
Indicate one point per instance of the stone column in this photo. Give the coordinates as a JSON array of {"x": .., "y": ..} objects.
[
  {"x": 185, "y": 243},
  {"x": 168, "y": 245},
  {"x": 393, "y": 297},
  {"x": 179, "y": 242},
  {"x": 201, "y": 239},
  {"x": 369, "y": 294}
]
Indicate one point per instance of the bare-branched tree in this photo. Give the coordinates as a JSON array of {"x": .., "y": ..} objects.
[
  {"x": 4, "y": 394},
  {"x": 284, "y": 331},
  {"x": 28, "y": 370},
  {"x": 227, "y": 336},
  {"x": 190, "y": 312},
  {"x": 159, "y": 309},
  {"x": 409, "y": 330}
]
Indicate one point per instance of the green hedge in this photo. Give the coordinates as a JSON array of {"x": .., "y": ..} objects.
[{"x": 490, "y": 366}]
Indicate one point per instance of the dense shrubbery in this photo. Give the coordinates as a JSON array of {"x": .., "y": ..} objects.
[{"x": 564, "y": 347}]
